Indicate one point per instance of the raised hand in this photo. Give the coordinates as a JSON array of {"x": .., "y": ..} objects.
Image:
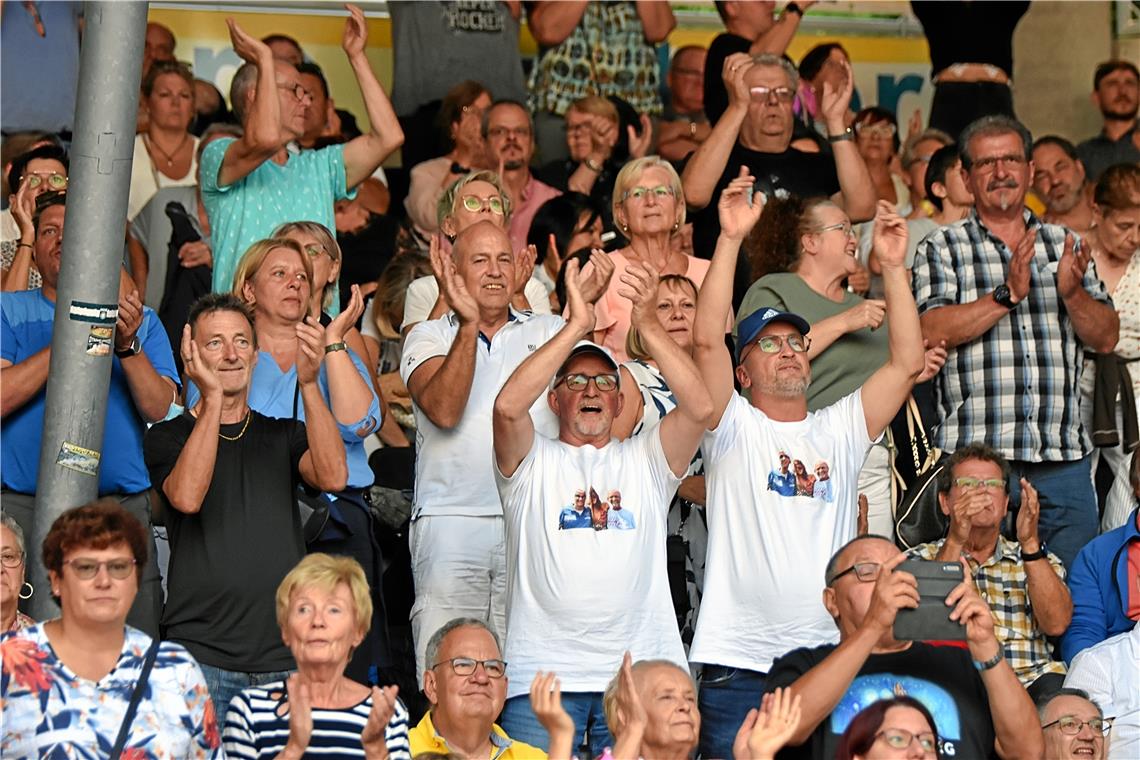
[
  {"x": 300, "y": 715},
  {"x": 639, "y": 144},
  {"x": 195, "y": 253},
  {"x": 355, "y": 32},
  {"x": 837, "y": 100},
  {"x": 935, "y": 360},
  {"x": 631, "y": 712},
  {"x": 893, "y": 591},
  {"x": 973, "y": 612},
  {"x": 859, "y": 281},
  {"x": 603, "y": 138},
  {"x": 310, "y": 350},
  {"x": 345, "y": 321},
  {"x": 1071, "y": 269},
  {"x": 373, "y": 736},
  {"x": 1018, "y": 278},
  {"x": 733, "y": 71},
  {"x": 869, "y": 313},
  {"x": 595, "y": 276},
  {"x": 580, "y": 311},
  {"x": 641, "y": 280},
  {"x": 525, "y": 259},
  {"x": 1027, "y": 517},
  {"x": 23, "y": 206},
  {"x": 889, "y": 236},
  {"x": 546, "y": 704},
  {"x": 914, "y": 126},
  {"x": 129, "y": 321},
  {"x": 249, "y": 49},
  {"x": 451, "y": 287},
  {"x": 967, "y": 505},
  {"x": 196, "y": 371},
  {"x": 773, "y": 724},
  {"x": 739, "y": 209}
]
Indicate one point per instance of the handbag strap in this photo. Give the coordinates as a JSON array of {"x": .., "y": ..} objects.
[{"x": 136, "y": 697}]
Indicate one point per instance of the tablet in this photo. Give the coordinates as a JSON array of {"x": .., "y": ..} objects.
[{"x": 930, "y": 621}]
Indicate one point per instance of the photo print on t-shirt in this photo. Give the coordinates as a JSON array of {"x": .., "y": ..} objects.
[
  {"x": 867, "y": 689},
  {"x": 792, "y": 477},
  {"x": 589, "y": 510}
]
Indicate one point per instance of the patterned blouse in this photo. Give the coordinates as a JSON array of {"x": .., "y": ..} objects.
[{"x": 51, "y": 712}]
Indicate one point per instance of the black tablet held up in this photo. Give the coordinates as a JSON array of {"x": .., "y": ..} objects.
[{"x": 930, "y": 621}]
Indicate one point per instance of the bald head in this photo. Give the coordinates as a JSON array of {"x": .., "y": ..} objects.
[{"x": 486, "y": 265}]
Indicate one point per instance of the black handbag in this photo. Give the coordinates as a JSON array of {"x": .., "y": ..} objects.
[
  {"x": 918, "y": 518},
  {"x": 313, "y": 508}
]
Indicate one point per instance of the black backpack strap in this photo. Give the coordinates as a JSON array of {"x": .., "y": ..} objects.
[{"x": 136, "y": 697}]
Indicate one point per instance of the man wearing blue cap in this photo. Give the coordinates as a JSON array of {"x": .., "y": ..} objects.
[
  {"x": 578, "y": 599},
  {"x": 767, "y": 549}
]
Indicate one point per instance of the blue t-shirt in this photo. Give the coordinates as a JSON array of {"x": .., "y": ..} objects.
[
  {"x": 271, "y": 392},
  {"x": 39, "y": 74},
  {"x": 25, "y": 329},
  {"x": 303, "y": 189}
]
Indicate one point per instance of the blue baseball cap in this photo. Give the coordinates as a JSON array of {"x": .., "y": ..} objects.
[{"x": 751, "y": 325}]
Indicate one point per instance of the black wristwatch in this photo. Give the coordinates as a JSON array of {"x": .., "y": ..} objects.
[
  {"x": 131, "y": 350},
  {"x": 1031, "y": 556},
  {"x": 1002, "y": 295},
  {"x": 845, "y": 135},
  {"x": 794, "y": 8}
]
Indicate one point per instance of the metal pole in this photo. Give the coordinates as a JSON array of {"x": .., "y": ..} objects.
[{"x": 88, "y": 293}]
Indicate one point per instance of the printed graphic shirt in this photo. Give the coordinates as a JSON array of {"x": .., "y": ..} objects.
[{"x": 577, "y": 599}]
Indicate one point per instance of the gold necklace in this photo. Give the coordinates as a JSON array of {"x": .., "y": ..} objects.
[
  {"x": 168, "y": 156},
  {"x": 244, "y": 427}
]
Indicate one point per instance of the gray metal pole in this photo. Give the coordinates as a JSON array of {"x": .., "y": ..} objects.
[{"x": 88, "y": 293}]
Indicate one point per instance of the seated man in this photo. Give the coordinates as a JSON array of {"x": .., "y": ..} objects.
[
  {"x": 980, "y": 707},
  {"x": 466, "y": 684},
  {"x": 1104, "y": 580},
  {"x": 230, "y": 477},
  {"x": 143, "y": 384},
  {"x": 577, "y": 600},
  {"x": 1027, "y": 595},
  {"x": 1074, "y": 726},
  {"x": 1108, "y": 672}
]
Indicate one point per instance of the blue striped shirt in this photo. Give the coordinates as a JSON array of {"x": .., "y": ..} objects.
[
  {"x": 253, "y": 729},
  {"x": 1015, "y": 388}
]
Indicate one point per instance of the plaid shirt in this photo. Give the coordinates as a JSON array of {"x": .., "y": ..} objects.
[
  {"x": 1002, "y": 582},
  {"x": 1016, "y": 388}
]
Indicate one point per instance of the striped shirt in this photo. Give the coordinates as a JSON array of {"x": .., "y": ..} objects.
[
  {"x": 255, "y": 730},
  {"x": 1015, "y": 388},
  {"x": 1001, "y": 580}
]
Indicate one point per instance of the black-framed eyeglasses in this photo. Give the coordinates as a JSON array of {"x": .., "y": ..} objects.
[
  {"x": 465, "y": 666},
  {"x": 607, "y": 382},
  {"x": 774, "y": 344},
  {"x": 54, "y": 180},
  {"x": 1072, "y": 725},
  {"x": 298, "y": 90},
  {"x": 86, "y": 569},
  {"x": 898, "y": 738},
  {"x": 12, "y": 559},
  {"x": 866, "y": 572},
  {"x": 475, "y": 204}
]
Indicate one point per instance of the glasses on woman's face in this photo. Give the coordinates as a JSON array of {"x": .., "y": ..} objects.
[
  {"x": 86, "y": 569},
  {"x": 54, "y": 180},
  {"x": 845, "y": 227},
  {"x": 898, "y": 738},
  {"x": 465, "y": 666},
  {"x": 1072, "y": 725},
  {"x": 661, "y": 192},
  {"x": 315, "y": 251},
  {"x": 475, "y": 204},
  {"x": 576, "y": 381},
  {"x": 885, "y": 130},
  {"x": 774, "y": 344},
  {"x": 11, "y": 559}
]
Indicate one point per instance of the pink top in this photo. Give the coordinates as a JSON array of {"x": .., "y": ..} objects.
[{"x": 534, "y": 194}]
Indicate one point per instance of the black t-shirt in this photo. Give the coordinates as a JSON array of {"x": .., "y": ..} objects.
[
  {"x": 942, "y": 678},
  {"x": 227, "y": 560},
  {"x": 792, "y": 172},
  {"x": 716, "y": 96},
  {"x": 960, "y": 32}
]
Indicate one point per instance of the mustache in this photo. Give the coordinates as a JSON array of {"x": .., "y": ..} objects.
[{"x": 998, "y": 184}]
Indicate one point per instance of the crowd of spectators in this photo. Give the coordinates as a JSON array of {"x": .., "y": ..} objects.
[{"x": 587, "y": 431}]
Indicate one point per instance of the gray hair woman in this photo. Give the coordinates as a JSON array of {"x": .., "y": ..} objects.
[{"x": 13, "y": 564}]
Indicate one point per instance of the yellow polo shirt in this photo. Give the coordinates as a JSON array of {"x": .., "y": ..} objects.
[{"x": 423, "y": 738}]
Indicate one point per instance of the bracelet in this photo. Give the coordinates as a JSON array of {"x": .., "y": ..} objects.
[
  {"x": 1032, "y": 556},
  {"x": 592, "y": 165},
  {"x": 991, "y": 663},
  {"x": 847, "y": 134},
  {"x": 333, "y": 347},
  {"x": 794, "y": 8},
  {"x": 25, "y": 245}
]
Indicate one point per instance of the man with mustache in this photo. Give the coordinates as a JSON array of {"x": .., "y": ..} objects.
[
  {"x": 1059, "y": 181},
  {"x": 1015, "y": 303},
  {"x": 509, "y": 133},
  {"x": 1116, "y": 92}
]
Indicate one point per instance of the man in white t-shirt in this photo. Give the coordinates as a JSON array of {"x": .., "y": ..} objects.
[
  {"x": 767, "y": 548},
  {"x": 578, "y": 599}
]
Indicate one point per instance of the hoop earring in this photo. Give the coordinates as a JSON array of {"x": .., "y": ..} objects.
[{"x": 31, "y": 590}]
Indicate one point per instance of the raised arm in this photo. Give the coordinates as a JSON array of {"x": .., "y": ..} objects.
[
  {"x": 151, "y": 392},
  {"x": 779, "y": 36},
  {"x": 350, "y": 395},
  {"x": 186, "y": 486},
  {"x": 1096, "y": 323},
  {"x": 262, "y": 136},
  {"x": 363, "y": 154},
  {"x": 324, "y": 465},
  {"x": 856, "y": 193},
  {"x": 705, "y": 166},
  {"x": 1048, "y": 594},
  {"x": 513, "y": 427},
  {"x": 739, "y": 211},
  {"x": 886, "y": 390},
  {"x": 682, "y": 428},
  {"x": 552, "y": 22},
  {"x": 22, "y": 207},
  {"x": 656, "y": 19}
]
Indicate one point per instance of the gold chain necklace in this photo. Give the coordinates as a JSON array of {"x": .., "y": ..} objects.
[{"x": 244, "y": 427}]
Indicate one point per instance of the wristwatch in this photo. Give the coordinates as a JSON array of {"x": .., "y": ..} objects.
[
  {"x": 991, "y": 663},
  {"x": 131, "y": 350},
  {"x": 1031, "y": 556},
  {"x": 1002, "y": 295},
  {"x": 794, "y": 8},
  {"x": 847, "y": 134},
  {"x": 334, "y": 347}
]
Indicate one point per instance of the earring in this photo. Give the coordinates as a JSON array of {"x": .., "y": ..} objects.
[
  {"x": 676, "y": 225},
  {"x": 31, "y": 590}
]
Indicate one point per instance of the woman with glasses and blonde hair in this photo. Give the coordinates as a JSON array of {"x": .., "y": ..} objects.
[
  {"x": 804, "y": 250},
  {"x": 13, "y": 565},
  {"x": 86, "y": 684},
  {"x": 648, "y": 208}
]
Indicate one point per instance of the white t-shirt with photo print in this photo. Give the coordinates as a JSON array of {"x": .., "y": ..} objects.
[
  {"x": 578, "y": 598},
  {"x": 767, "y": 551}
]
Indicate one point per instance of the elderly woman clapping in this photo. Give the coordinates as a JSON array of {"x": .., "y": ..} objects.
[{"x": 324, "y": 610}]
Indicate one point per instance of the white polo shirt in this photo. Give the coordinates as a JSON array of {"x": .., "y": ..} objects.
[{"x": 455, "y": 468}]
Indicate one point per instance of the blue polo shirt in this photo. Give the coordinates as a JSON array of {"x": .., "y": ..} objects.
[{"x": 25, "y": 329}]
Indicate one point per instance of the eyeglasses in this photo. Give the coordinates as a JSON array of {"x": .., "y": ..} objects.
[
  {"x": 661, "y": 192},
  {"x": 465, "y": 666},
  {"x": 877, "y": 129},
  {"x": 992, "y": 484},
  {"x": 866, "y": 572},
  {"x": 54, "y": 180},
  {"x": 86, "y": 569},
  {"x": 498, "y": 132},
  {"x": 1072, "y": 725},
  {"x": 898, "y": 738},
  {"x": 764, "y": 94},
  {"x": 298, "y": 90},
  {"x": 474, "y": 204},
  {"x": 774, "y": 344},
  {"x": 989, "y": 163},
  {"x": 12, "y": 559},
  {"x": 846, "y": 227},
  {"x": 584, "y": 126},
  {"x": 314, "y": 251},
  {"x": 606, "y": 382}
]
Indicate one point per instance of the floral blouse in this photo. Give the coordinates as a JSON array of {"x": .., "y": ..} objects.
[{"x": 51, "y": 712}]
